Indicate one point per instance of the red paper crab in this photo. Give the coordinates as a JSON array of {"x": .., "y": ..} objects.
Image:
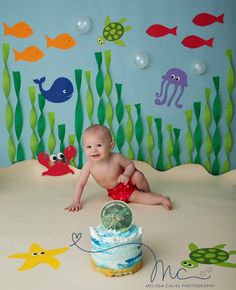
[{"x": 55, "y": 163}]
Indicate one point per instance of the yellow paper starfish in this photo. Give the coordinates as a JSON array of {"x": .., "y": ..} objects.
[{"x": 38, "y": 255}]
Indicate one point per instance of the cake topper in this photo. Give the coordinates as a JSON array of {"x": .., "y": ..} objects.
[{"x": 116, "y": 215}]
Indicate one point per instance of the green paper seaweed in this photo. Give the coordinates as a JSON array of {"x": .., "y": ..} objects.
[
  {"x": 6, "y": 84},
  {"x": 89, "y": 97},
  {"x": 18, "y": 117},
  {"x": 33, "y": 121},
  {"x": 149, "y": 140},
  {"x": 139, "y": 132},
  {"x": 119, "y": 106},
  {"x": 176, "y": 147},
  {"x": 169, "y": 147},
  {"x": 207, "y": 122},
  {"x": 160, "y": 162},
  {"x": 41, "y": 125},
  {"x": 230, "y": 81},
  {"x": 120, "y": 138},
  {"x": 101, "y": 112},
  {"x": 51, "y": 138},
  {"x": 71, "y": 141},
  {"x": 109, "y": 115},
  {"x": 61, "y": 136},
  {"x": 216, "y": 141},
  {"x": 188, "y": 136},
  {"x": 99, "y": 77},
  {"x": 230, "y": 76},
  {"x": 228, "y": 146},
  {"x": 100, "y": 87},
  {"x": 11, "y": 149},
  {"x": 108, "y": 89},
  {"x": 216, "y": 104},
  {"x": 197, "y": 137},
  {"x": 5, "y": 76},
  {"x": 129, "y": 132},
  {"x": 79, "y": 116},
  {"x": 119, "y": 110},
  {"x": 107, "y": 78},
  {"x": 8, "y": 117}
]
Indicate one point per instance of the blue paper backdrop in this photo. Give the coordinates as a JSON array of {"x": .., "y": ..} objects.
[{"x": 53, "y": 17}]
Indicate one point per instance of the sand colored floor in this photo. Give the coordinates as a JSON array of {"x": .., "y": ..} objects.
[{"x": 32, "y": 211}]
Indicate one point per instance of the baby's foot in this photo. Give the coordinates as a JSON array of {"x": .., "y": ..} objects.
[{"x": 166, "y": 202}]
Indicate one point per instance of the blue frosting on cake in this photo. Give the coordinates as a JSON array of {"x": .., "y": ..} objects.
[{"x": 116, "y": 250}]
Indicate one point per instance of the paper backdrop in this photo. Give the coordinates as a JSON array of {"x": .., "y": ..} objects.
[{"x": 163, "y": 85}]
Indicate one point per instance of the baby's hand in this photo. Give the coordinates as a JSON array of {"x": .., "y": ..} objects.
[
  {"x": 166, "y": 202},
  {"x": 75, "y": 206},
  {"x": 123, "y": 178}
]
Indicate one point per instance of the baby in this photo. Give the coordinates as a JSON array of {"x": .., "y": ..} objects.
[{"x": 113, "y": 172}]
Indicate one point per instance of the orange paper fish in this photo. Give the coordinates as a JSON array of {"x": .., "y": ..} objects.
[
  {"x": 20, "y": 29},
  {"x": 61, "y": 41},
  {"x": 30, "y": 54}
]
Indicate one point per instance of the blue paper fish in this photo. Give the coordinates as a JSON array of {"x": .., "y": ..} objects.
[{"x": 60, "y": 91}]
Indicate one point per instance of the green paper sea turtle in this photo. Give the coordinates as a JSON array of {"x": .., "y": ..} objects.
[
  {"x": 113, "y": 31},
  {"x": 214, "y": 255}
]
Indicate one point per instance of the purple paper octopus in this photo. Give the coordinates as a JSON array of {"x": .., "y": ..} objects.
[{"x": 178, "y": 79}]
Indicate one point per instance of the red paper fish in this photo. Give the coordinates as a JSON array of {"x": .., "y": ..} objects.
[
  {"x": 193, "y": 41},
  {"x": 204, "y": 19},
  {"x": 158, "y": 30}
]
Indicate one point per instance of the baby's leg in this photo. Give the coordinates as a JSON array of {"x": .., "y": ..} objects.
[
  {"x": 150, "y": 198},
  {"x": 139, "y": 180},
  {"x": 143, "y": 193}
]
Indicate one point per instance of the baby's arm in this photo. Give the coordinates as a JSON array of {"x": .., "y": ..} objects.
[
  {"x": 83, "y": 178},
  {"x": 129, "y": 169}
]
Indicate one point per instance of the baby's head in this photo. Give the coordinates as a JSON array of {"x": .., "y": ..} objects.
[
  {"x": 98, "y": 131},
  {"x": 97, "y": 141}
]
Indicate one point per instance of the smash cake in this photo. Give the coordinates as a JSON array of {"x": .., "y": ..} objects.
[{"x": 116, "y": 243}]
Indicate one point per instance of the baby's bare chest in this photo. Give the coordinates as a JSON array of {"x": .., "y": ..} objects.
[{"x": 106, "y": 175}]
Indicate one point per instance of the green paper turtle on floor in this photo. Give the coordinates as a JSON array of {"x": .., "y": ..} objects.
[
  {"x": 113, "y": 31},
  {"x": 215, "y": 256}
]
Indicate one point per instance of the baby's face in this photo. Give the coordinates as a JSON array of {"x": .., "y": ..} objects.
[{"x": 96, "y": 146}]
